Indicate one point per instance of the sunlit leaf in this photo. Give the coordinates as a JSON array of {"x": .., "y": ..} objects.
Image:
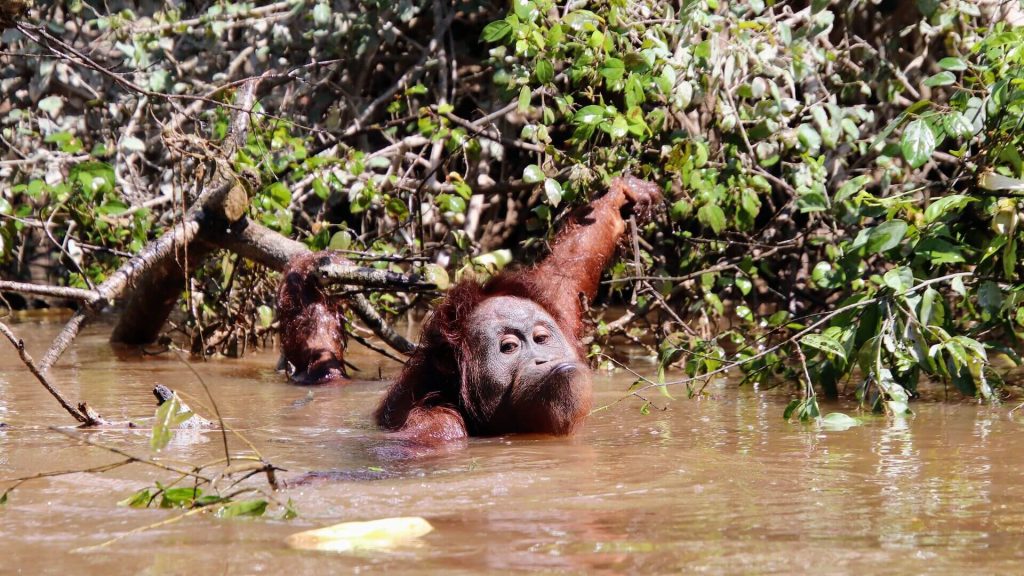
[
  {"x": 166, "y": 420},
  {"x": 255, "y": 507},
  {"x": 372, "y": 535},
  {"x": 140, "y": 499},
  {"x": 952, "y": 64},
  {"x": 918, "y": 143},
  {"x": 179, "y": 497},
  {"x": 712, "y": 216},
  {"x": 941, "y": 206},
  {"x": 533, "y": 174},
  {"x": 899, "y": 279},
  {"x": 590, "y": 115},
  {"x": 545, "y": 72},
  {"x": 825, "y": 344},
  {"x": 944, "y": 78},
  {"x": 837, "y": 422},
  {"x": 997, "y": 182},
  {"x": 552, "y": 191},
  {"x": 437, "y": 275}
]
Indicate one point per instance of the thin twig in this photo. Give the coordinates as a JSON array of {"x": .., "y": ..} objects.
[{"x": 19, "y": 344}]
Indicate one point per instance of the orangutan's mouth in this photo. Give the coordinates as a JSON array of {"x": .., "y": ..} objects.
[{"x": 563, "y": 370}]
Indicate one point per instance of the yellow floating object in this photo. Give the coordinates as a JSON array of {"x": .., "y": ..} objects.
[{"x": 372, "y": 535}]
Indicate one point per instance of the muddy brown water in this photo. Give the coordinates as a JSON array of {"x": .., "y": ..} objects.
[{"x": 721, "y": 485}]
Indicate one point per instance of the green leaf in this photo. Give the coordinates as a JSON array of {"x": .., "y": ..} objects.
[
  {"x": 808, "y": 137},
  {"x": 680, "y": 210},
  {"x": 898, "y": 407},
  {"x": 899, "y": 279},
  {"x": 524, "y": 10},
  {"x": 613, "y": 70},
  {"x": 946, "y": 204},
  {"x": 953, "y": 64},
  {"x": 990, "y": 297},
  {"x": 533, "y": 174},
  {"x": 179, "y": 497},
  {"x": 944, "y": 78},
  {"x": 525, "y": 96},
  {"x": 837, "y": 422},
  {"x": 493, "y": 262},
  {"x": 436, "y": 275},
  {"x": 790, "y": 408},
  {"x": 545, "y": 71},
  {"x": 886, "y": 236},
  {"x": 140, "y": 499},
  {"x": 634, "y": 91},
  {"x": 956, "y": 125},
  {"x": 166, "y": 420},
  {"x": 825, "y": 344},
  {"x": 552, "y": 191},
  {"x": 451, "y": 203},
  {"x": 825, "y": 276},
  {"x": 496, "y": 31},
  {"x": 51, "y": 105},
  {"x": 266, "y": 315},
  {"x": 939, "y": 251},
  {"x": 744, "y": 284},
  {"x": 851, "y": 187},
  {"x": 703, "y": 50},
  {"x": 913, "y": 109},
  {"x": 619, "y": 127},
  {"x": 590, "y": 115},
  {"x": 112, "y": 208},
  {"x": 158, "y": 80},
  {"x": 929, "y": 311},
  {"x": 341, "y": 240},
  {"x": 321, "y": 14},
  {"x": 712, "y": 216},
  {"x": 918, "y": 143},
  {"x": 320, "y": 189},
  {"x": 253, "y": 507}
]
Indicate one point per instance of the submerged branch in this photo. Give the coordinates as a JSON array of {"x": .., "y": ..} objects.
[
  {"x": 366, "y": 312},
  {"x": 27, "y": 359}
]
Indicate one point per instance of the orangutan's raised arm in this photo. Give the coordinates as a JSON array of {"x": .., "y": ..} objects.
[{"x": 505, "y": 356}]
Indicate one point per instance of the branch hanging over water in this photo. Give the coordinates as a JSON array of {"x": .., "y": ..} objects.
[
  {"x": 19, "y": 345},
  {"x": 83, "y": 413}
]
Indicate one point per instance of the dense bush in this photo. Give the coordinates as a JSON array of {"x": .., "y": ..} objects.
[{"x": 842, "y": 179}]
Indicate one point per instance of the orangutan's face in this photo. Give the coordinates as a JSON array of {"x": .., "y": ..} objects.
[{"x": 526, "y": 376}]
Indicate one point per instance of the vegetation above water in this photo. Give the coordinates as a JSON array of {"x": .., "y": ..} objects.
[{"x": 843, "y": 180}]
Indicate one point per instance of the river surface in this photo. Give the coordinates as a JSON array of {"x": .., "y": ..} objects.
[{"x": 721, "y": 485}]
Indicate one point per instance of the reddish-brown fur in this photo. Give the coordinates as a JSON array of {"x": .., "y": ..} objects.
[
  {"x": 311, "y": 330},
  {"x": 426, "y": 403}
]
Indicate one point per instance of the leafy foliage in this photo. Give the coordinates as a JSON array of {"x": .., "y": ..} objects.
[{"x": 842, "y": 179}]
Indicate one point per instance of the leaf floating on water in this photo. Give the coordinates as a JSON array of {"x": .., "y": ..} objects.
[
  {"x": 254, "y": 507},
  {"x": 372, "y": 535},
  {"x": 837, "y": 422}
]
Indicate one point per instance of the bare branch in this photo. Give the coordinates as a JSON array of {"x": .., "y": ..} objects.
[
  {"x": 19, "y": 345},
  {"x": 53, "y": 291},
  {"x": 372, "y": 278}
]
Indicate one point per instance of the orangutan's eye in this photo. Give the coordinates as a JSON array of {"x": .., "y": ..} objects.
[
  {"x": 541, "y": 336},
  {"x": 509, "y": 344}
]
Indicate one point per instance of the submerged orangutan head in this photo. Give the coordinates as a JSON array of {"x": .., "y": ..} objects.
[{"x": 524, "y": 374}]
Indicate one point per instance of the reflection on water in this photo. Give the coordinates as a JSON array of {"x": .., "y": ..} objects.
[{"x": 719, "y": 485}]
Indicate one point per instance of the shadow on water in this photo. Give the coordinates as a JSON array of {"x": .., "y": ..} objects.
[{"x": 720, "y": 485}]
